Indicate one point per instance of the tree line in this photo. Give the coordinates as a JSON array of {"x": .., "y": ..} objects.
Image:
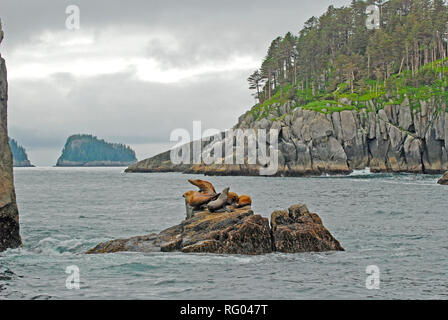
[
  {"x": 18, "y": 152},
  {"x": 86, "y": 148},
  {"x": 337, "y": 47}
]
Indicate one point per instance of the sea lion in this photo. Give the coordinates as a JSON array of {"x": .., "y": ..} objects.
[
  {"x": 197, "y": 199},
  {"x": 204, "y": 186},
  {"x": 232, "y": 198},
  {"x": 244, "y": 200},
  {"x": 220, "y": 203}
]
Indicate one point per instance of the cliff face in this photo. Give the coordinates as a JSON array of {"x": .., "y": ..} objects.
[
  {"x": 396, "y": 138},
  {"x": 9, "y": 215}
]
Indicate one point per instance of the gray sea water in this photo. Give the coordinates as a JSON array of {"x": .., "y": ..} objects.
[{"x": 396, "y": 222}]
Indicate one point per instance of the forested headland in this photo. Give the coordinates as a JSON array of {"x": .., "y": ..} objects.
[
  {"x": 345, "y": 96},
  {"x": 88, "y": 150},
  {"x": 19, "y": 155},
  {"x": 336, "y": 56}
]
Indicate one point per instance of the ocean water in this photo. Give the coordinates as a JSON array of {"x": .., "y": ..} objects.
[{"x": 396, "y": 222}]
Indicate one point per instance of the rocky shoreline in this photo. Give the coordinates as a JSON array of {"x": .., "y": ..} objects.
[
  {"x": 396, "y": 138},
  {"x": 66, "y": 163},
  {"x": 23, "y": 164},
  {"x": 237, "y": 232}
]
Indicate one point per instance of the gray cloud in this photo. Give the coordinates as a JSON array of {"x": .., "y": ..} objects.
[
  {"x": 121, "y": 106},
  {"x": 232, "y": 24}
]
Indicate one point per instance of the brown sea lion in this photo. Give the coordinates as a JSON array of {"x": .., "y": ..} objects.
[
  {"x": 244, "y": 200},
  {"x": 197, "y": 199},
  {"x": 232, "y": 198},
  {"x": 220, "y": 203},
  {"x": 204, "y": 186}
]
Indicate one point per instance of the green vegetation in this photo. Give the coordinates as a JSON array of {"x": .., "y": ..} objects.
[
  {"x": 88, "y": 148},
  {"x": 18, "y": 152},
  {"x": 336, "y": 63}
]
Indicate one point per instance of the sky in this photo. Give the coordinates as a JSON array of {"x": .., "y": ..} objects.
[{"x": 135, "y": 70}]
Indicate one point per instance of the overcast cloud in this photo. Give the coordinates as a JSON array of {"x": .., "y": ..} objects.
[{"x": 135, "y": 70}]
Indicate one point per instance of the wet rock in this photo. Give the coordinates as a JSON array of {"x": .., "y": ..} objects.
[
  {"x": 444, "y": 179},
  {"x": 298, "y": 230},
  {"x": 236, "y": 232}
]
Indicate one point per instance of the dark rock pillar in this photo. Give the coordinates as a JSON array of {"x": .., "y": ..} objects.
[{"x": 9, "y": 215}]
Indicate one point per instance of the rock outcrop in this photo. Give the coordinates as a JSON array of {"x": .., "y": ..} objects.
[
  {"x": 83, "y": 150},
  {"x": 19, "y": 155},
  {"x": 236, "y": 232},
  {"x": 9, "y": 215},
  {"x": 444, "y": 179},
  {"x": 396, "y": 138},
  {"x": 298, "y": 230}
]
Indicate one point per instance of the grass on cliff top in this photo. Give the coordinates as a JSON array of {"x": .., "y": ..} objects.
[{"x": 429, "y": 83}]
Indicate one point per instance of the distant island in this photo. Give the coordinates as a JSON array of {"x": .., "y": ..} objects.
[
  {"x": 19, "y": 155},
  {"x": 83, "y": 150}
]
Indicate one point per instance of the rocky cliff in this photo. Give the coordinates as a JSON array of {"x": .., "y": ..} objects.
[
  {"x": 237, "y": 232},
  {"x": 9, "y": 215},
  {"x": 395, "y": 138}
]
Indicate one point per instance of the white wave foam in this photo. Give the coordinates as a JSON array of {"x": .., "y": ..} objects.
[
  {"x": 51, "y": 245},
  {"x": 363, "y": 172}
]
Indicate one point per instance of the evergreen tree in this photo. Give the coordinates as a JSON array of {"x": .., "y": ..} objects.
[
  {"x": 88, "y": 148},
  {"x": 338, "y": 48},
  {"x": 255, "y": 82},
  {"x": 19, "y": 154}
]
